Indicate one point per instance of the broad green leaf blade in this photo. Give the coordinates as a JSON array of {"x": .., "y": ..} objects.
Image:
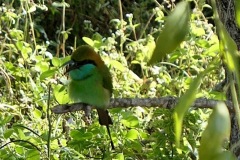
[
  {"x": 60, "y": 94},
  {"x": 37, "y": 114},
  {"x": 81, "y": 135},
  {"x": 32, "y": 154},
  {"x": 89, "y": 41},
  {"x": 231, "y": 57},
  {"x": 119, "y": 156},
  {"x": 47, "y": 74},
  {"x": 228, "y": 47},
  {"x": 173, "y": 33},
  {"x": 130, "y": 121},
  {"x": 132, "y": 134},
  {"x": 237, "y": 12},
  {"x": 8, "y": 133},
  {"x": 183, "y": 105},
  {"x": 56, "y": 61},
  {"x": 119, "y": 66},
  {"x": 186, "y": 101},
  {"x": 225, "y": 155},
  {"x": 217, "y": 130}
]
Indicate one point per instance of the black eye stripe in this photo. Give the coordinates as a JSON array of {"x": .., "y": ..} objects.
[
  {"x": 81, "y": 63},
  {"x": 77, "y": 64}
]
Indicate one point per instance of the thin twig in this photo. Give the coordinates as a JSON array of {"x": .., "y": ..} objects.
[
  {"x": 19, "y": 140},
  {"x": 63, "y": 29},
  {"x": 49, "y": 122},
  {"x": 121, "y": 19},
  {"x": 19, "y": 125}
]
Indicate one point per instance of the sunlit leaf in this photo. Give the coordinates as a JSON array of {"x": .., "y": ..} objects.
[
  {"x": 225, "y": 155},
  {"x": 217, "y": 130},
  {"x": 47, "y": 74},
  {"x": 132, "y": 134},
  {"x": 37, "y": 114},
  {"x": 60, "y": 94},
  {"x": 185, "y": 103},
  {"x": 81, "y": 135},
  {"x": 130, "y": 121},
  {"x": 117, "y": 65},
  {"x": 56, "y": 61},
  {"x": 8, "y": 133},
  {"x": 32, "y": 154},
  {"x": 89, "y": 41},
  {"x": 119, "y": 156},
  {"x": 32, "y": 9},
  {"x": 173, "y": 33},
  {"x": 237, "y": 12}
]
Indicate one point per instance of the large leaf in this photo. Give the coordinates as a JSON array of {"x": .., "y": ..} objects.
[
  {"x": 237, "y": 12},
  {"x": 217, "y": 130},
  {"x": 183, "y": 105},
  {"x": 173, "y": 33},
  {"x": 186, "y": 101}
]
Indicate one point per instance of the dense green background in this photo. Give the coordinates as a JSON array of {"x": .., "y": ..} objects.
[{"x": 35, "y": 36}]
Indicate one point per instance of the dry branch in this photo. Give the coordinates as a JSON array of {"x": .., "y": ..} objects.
[{"x": 163, "y": 102}]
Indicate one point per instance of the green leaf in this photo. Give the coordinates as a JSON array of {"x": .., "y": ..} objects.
[
  {"x": 217, "y": 130},
  {"x": 60, "y": 94},
  {"x": 56, "y": 61},
  {"x": 37, "y": 114},
  {"x": 185, "y": 103},
  {"x": 228, "y": 47},
  {"x": 7, "y": 118},
  {"x": 135, "y": 145},
  {"x": 173, "y": 33},
  {"x": 132, "y": 134},
  {"x": 119, "y": 156},
  {"x": 225, "y": 155},
  {"x": 60, "y": 4},
  {"x": 88, "y": 41},
  {"x": 237, "y": 12},
  {"x": 8, "y": 133},
  {"x": 81, "y": 135},
  {"x": 63, "y": 61},
  {"x": 47, "y": 74},
  {"x": 54, "y": 144},
  {"x": 19, "y": 45},
  {"x": 32, "y": 8},
  {"x": 32, "y": 154},
  {"x": 130, "y": 121},
  {"x": 119, "y": 66}
]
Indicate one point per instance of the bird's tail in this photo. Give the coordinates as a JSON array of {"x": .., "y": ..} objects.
[{"x": 105, "y": 119}]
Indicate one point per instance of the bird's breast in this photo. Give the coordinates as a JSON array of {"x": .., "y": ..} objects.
[{"x": 88, "y": 88}]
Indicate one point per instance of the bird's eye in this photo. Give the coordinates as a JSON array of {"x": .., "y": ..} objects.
[{"x": 71, "y": 66}]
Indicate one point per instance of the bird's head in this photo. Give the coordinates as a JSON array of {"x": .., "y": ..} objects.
[{"x": 83, "y": 55}]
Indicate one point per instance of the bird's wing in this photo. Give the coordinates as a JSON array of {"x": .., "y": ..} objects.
[{"x": 107, "y": 79}]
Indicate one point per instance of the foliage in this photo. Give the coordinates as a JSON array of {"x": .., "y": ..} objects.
[{"x": 36, "y": 39}]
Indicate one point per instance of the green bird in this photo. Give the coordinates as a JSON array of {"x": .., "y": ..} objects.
[{"x": 91, "y": 82}]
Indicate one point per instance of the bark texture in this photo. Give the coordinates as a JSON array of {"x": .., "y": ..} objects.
[{"x": 226, "y": 11}]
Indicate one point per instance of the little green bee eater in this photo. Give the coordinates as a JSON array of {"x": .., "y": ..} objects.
[{"x": 90, "y": 82}]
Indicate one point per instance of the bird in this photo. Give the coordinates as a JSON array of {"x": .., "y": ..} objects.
[{"x": 90, "y": 82}]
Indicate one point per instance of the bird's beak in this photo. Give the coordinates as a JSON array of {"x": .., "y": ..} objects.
[{"x": 68, "y": 65}]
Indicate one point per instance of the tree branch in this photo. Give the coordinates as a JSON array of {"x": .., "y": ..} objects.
[{"x": 163, "y": 102}]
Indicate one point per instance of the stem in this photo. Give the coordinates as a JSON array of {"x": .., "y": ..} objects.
[
  {"x": 235, "y": 100},
  {"x": 32, "y": 28},
  {"x": 63, "y": 29},
  {"x": 13, "y": 141},
  {"x": 49, "y": 123},
  {"x": 121, "y": 18}
]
